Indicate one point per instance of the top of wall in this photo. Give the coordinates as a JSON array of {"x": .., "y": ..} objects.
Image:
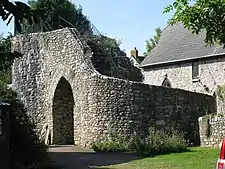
[
  {"x": 52, "y": 34},
  {"x": 19, "y": 41}
]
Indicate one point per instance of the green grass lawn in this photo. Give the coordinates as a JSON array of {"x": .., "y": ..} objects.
[{"x": 198, "y": 158}]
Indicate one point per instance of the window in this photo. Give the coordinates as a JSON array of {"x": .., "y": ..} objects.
[
  {"x": 195, "y": 70},
  {"x": 166, "y": 83}
]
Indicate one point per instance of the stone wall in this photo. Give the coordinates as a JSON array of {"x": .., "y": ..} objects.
[
  {"x": 133, "y": 107},
  {"x": 211, "y": 72},
  {"x": 212, "y": 130},
  {"x": 101, "y": 103}
]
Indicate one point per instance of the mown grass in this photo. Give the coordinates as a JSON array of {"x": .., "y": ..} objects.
[{"x": 197, "y": 158}]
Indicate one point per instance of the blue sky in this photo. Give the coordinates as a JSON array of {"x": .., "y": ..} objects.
[{"x": 132, "y": 21}]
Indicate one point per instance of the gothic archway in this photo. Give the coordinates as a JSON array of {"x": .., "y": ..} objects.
[
  {"x": 62, "y": 112},
  {"x": 166, "y": 83}
]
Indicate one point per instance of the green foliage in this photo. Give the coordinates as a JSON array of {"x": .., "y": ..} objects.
[
  {"x": 105, "y": 43},
  {"x": 157, "y": 142},
  {"x": 110, "y": 146},
  {"x": 115, "y": 143},
  {"x": 58, "y": 14},
  {"x": 160, "y": 142},
  {"x": 109, "y": 60},
  {"x": 19, "y": 11},
  {"x": 26, "y": 150},
  {"x": 6, "y": 94},
  {"x": 6, "y": 76},
  {"x": 201, "y": 15},
  {"x": 151, "y": 44},
  {"x": 6, "y": 58}
]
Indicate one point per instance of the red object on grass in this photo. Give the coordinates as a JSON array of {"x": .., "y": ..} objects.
[
  {"x": 221, "y": 160},
  {"x": 222, "y": 150}
]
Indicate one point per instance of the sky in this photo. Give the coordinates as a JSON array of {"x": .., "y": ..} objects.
[{"x": 132, "y": 21}]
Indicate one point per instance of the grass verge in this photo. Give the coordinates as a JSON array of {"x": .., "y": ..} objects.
[{"x": 197, "y": 158}]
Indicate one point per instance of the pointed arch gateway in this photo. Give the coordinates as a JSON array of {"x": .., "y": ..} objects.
[{"x": 62, "y": 113}]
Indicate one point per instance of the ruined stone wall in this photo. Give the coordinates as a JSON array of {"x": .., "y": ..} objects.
[
  {"x": 131, "y": 108},
  {"x": 101, "y": 103},
  {"x": 212, "y": 130},
  {"x": 211, "y": 72}
]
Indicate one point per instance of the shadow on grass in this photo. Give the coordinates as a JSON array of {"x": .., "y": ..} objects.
[
  {"x": 88, "y": 160},
  {"x": 75, "y": 158}
]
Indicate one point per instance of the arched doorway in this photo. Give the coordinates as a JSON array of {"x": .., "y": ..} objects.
[{"x": 62, "y": 112}]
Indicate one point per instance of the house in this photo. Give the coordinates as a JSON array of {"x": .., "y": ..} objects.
[
  {"x": 135, "y": 58},
  {"x": 182, "y": 60}
]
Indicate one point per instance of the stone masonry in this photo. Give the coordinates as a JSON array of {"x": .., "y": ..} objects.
[
  {"x": 72, "y": 103},
  {"x": 212, "y": 130},
  {"x": 211, "y": 74}
]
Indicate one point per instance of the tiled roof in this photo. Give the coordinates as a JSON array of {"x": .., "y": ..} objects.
[{"x": 179, "y": 44}]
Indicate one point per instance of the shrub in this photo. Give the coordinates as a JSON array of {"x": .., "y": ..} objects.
[
  {"x": 26, "y": 150},
  {"x": 157, "y": 142},
  {"x": 115, "y": 143},
  {"x": 162, "y": 142},
  {"x": 109, "y": 60},
  {"x": 109, "y": 146}
]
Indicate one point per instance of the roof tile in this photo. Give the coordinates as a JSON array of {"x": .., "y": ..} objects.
[{"x": 177, "y": 43}]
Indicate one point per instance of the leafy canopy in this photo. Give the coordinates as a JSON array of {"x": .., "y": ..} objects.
[
  {"x": 151, "y": 44},
  {"x": 201, "y": 15},
  {"x": 19, "y": 11},
  {"x": 58, "y": 14},
  {"x": 6, "y": 58}
]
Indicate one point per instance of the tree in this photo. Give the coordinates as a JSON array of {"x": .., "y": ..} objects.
[
  {"x": 6, "y": 58},
  {"x": 109, "y": 60},
  {"x": 58, "y": 14},
  {"x": 19, "y": 11},
  {"x": 150, "y": 44},
  {"x": 201, "y": 15}
]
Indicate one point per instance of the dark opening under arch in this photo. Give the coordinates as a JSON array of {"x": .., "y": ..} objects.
[{"x": 62, "y": 112}]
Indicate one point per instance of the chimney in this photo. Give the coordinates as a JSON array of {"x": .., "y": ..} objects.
[{"x": 134, "y": 52}]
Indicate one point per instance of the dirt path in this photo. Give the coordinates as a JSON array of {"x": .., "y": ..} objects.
[{"x": 70, "y": 157}]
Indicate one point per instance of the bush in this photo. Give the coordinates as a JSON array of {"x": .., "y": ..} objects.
[
  {"x": 157, "y": 142},
  {"x": 26, "y": 150},
  {"x": 115, "y": 143},
  {"x": 109, "y": 60},
  {"x": 109, "y": 146},
  {"x": 162, "y": 142}
]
